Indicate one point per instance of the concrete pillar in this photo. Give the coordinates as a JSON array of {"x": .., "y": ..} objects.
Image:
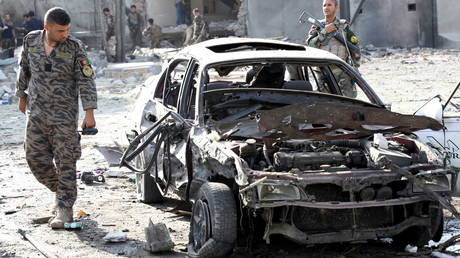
[{"x": 120, "y": 30}]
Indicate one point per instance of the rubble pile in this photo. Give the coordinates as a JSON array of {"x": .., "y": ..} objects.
[{"x": 8, "y": 67}]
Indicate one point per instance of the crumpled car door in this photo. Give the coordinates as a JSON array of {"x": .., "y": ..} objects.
[{"x": 156, "y": 143}]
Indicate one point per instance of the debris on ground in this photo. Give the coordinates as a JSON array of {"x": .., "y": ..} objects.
[
  {"x": 73, "y": 225},
  {"x": 115, "y": 237},
  {"x": 42, "y": 248},
  {"x": 158, "y": 238},
  {"x": 41, "y": 220},
  {"x": 411, "y": 249}
]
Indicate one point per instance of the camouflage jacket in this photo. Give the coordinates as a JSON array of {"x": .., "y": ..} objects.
[
  {"x": 53, "y": 83},
  {"x": 200, "y": 29},
  {"x": 152, "y": 32},
  {"x": 135, "y": 21},
  {"x": 319, "y": 38},
  {"x": 110, "y": 25}
]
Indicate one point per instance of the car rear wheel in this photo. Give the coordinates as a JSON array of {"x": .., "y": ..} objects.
[
  {"x": 146, "y": 187},
  {"x": 213, "y": 226}
]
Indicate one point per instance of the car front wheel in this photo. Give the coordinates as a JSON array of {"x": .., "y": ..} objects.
[
  {"x": 421, "y": 235},
  {"x": 213, "y": 226}
]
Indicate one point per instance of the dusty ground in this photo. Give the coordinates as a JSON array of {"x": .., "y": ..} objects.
[{"x": 406, "y": 79}]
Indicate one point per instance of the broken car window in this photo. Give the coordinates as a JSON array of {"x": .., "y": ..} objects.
[{"x": 173, "y": 82}]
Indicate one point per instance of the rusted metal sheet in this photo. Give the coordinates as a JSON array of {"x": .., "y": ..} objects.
[{"x": 322, "y": 120}]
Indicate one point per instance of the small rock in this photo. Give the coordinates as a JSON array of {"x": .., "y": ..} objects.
[
  {"x": 408, "y": 62},
  {"x": 411, "y": 249},
  {"x": 115, "y": 237}
]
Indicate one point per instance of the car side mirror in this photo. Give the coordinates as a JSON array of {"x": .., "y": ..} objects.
[{"x": 433, "y": 108}]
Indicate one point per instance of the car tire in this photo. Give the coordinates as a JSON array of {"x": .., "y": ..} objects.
[
  {"x": 146, "y": 188},
  {"x": 213, "y": 226},
  {"x": 420, "y": 235},
  {"x": 440, "y": 229}
]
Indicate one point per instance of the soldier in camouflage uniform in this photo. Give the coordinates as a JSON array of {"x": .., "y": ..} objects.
[
  {"x": 135, "y": 24},
  {"x": 54, "y": 71},
  {"x": 153, "y": 34},
  {"x": 323, "y": 39},
  {"x": 200, "y": 27}
]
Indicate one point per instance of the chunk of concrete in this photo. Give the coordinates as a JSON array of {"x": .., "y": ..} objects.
[
  {"x": 115, "y": 237},
  {"x": 157, "y": 237}
]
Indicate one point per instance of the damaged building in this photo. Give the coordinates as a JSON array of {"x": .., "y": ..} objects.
[{"x": 413, "y": 23}]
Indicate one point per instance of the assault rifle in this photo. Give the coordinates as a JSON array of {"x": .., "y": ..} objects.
[{"x": 352, "y": 48}]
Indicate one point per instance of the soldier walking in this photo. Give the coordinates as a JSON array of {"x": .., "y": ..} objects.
[
  {"x": 153, "y": 34},
  {"x": 54, "y": 71},
  {"x": 324, "y": 39}
]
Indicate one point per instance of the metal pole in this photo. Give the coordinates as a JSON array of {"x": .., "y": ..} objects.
[
  {"x": 120, "y": 30},
  {"x": 345, "y": 9}
]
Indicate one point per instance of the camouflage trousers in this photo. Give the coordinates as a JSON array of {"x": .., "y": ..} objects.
[
  {"x": 52, "y": 152},
  {"x": 346, "y": 85}
]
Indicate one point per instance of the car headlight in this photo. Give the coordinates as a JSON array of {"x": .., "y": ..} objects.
[
  {"x": 276, "y": 192},
  {"x": 435, "y": 183}
]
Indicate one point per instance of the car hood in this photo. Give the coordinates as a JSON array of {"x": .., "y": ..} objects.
[{"x": 324, "y": 120}]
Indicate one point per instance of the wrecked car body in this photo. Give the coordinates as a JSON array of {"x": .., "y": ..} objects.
[{"x": 258, "y": 130}]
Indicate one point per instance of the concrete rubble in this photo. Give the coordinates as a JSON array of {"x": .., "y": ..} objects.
[{"x": 157, "y": 237}]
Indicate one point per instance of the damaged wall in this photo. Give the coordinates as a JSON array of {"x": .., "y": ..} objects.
[
  {"x": 449, "y": 32},
  {"x": 274, "y": 18},
  {"x": 411, "y": 23}
]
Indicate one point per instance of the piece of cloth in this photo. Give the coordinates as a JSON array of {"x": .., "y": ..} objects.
[{"x": 52, "y": 85}]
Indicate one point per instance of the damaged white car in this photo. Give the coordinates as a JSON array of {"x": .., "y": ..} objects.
[{"x": 256, "y": 133}]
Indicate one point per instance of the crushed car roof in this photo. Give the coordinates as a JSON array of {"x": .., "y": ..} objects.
[{"x": 228, "y": 49}]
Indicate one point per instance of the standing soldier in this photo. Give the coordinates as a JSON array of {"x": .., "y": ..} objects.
[
  {"x": 200, "y": 27},
  {"x": 135, "y": 24},
  {"x": 109, "y": 23},
  {"x": 153, "y": 34},
  {"x": 8, "y": 36},
  {"x": 324, "y": 39},
  {"x": 110, "y": 46},
  {"x": 54, "y": 71}
]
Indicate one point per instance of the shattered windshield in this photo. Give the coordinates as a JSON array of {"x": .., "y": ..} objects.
[
  {"x": 323, "y": 78},
  {"x": 231, "y": 90}
]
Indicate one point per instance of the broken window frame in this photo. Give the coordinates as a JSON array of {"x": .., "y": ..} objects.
[
  {"x": 186, "y": 95},
  {"x": 166, "y": 79}
]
